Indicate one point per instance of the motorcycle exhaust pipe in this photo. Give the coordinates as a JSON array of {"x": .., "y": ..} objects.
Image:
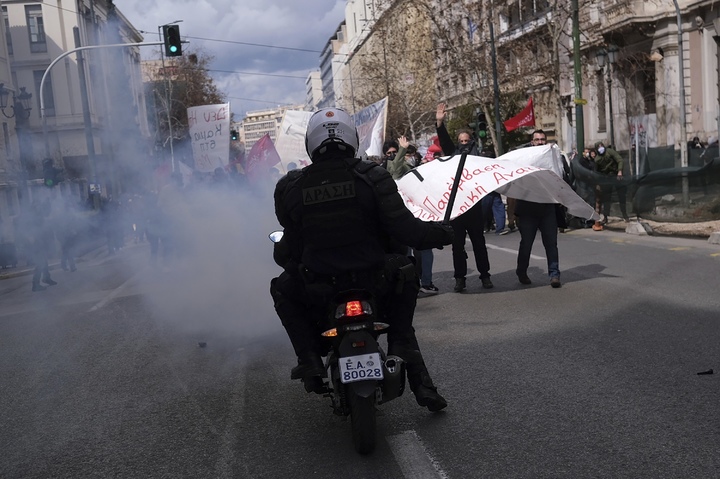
[{"x": 393, "y": 384}]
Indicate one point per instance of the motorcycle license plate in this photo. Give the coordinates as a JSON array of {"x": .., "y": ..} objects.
[{"x": 360, "y": 368}]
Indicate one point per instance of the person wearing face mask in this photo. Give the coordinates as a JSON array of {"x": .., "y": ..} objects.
[
  {"x": 390, "y": 149},
  {"x": 608, "y": 162}
]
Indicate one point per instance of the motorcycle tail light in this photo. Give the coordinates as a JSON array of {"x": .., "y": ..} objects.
[
  {"x": 358, "y": 344},
  {"x": 353, "y": 309}
]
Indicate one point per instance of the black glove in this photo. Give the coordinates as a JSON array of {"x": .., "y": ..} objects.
[{"x": 439, "y": 235}]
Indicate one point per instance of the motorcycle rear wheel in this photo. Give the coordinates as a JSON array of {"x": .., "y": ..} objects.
[{"x": 363, "y": 421}]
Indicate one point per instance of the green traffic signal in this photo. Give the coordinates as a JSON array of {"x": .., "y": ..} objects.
[
  {"x": 171, "y": 38},
  {"x": 51, "y": 175}
]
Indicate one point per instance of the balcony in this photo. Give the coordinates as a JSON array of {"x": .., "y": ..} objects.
[{"x": 517, "y": 31}]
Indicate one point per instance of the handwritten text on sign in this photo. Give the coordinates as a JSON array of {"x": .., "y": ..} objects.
[
  {"x": 210, "y": 134},
  {"x": 428, "y": 199}
]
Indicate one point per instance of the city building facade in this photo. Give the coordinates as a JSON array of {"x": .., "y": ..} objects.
[
  {"x": 635, "y": 81},
  {"x": 259, "y": 123},
  {"x": 81, "y": 129},
  {"x": 313, "y": 91}
]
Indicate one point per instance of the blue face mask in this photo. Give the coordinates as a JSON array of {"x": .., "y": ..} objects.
[{"x": 601, "y": 150}]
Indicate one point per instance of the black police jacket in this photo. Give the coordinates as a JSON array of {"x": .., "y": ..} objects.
[{"x": 344, "y": 214}]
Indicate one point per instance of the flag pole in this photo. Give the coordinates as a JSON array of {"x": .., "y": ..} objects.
[{"x": 455, "y": 185}]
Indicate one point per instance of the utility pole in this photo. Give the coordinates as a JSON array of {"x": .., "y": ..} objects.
[
  {"x": 577, "y": 70},
  {"x": 496, "y": 89},
  {"x": 87, "y": 121},
  {"x": 681, "y": 106}
]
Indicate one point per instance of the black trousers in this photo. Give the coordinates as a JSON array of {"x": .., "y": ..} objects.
[{"x": 470, "y": 224}]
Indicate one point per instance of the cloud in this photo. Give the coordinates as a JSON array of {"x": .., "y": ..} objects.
[{"x": 213, "y": 26}]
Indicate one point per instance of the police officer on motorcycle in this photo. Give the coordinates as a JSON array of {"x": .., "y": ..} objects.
[{"x": 346, "y": 227}]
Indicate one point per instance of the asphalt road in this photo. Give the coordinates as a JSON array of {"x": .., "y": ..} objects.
[{"x": 125, "y": 369}]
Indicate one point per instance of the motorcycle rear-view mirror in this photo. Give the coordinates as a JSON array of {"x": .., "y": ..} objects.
[{"x": 276, "y": 236}]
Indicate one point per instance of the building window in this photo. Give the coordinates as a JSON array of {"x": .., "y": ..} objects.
[
  {"x": 36, "y": 28},
  {"x": 8, "y": 37},
  {"x": 648, "y": 89},
  {"x": 49, "y": 99}
]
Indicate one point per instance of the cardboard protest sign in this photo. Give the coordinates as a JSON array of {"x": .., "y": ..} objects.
[{"x": 209, "y": 127}]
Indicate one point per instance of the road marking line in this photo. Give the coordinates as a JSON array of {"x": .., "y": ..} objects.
[
  {"x": 227, "y": 453},
  {"x": 679, "y": 248},
  {"x": 413, "y": 459},
  {"x": 113, "y": 294}
]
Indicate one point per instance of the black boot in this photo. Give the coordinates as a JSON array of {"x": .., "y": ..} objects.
[
  {"x": 419, "y": 379},
  {"x": 425, "y": 391},
  {"x": 309, "y": 365},
  {"x": 311, "y": 370}
]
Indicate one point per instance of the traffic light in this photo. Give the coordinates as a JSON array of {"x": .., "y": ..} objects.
[
  {"x": 51, "y": 175},
  {"x": 482, "y": 125},
  {"x": 234, "y": 135},
  {"x": 171, "y": 37}
]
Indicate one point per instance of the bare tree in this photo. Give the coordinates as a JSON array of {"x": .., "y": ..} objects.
[
  {"x": 185, "y": 83},
  {"x": 395, "y": 61}
]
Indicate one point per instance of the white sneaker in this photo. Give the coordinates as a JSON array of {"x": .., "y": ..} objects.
[{"x": 429, "y": 289}]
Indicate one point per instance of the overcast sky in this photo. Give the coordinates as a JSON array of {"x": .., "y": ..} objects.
[{"x": 229, "y": 30}]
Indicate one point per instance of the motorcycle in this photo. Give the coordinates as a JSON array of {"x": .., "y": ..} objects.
[{"x": 360, "y": 374}]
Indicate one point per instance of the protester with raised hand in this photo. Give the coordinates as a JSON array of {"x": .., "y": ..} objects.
[
  {"x": 425, "y": 258},
  {"x": 469, "y": 223}
]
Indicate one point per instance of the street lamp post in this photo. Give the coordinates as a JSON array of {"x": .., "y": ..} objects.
[
  {"x": 611, "y": 56},
  {"x": 21, "y": 108}
]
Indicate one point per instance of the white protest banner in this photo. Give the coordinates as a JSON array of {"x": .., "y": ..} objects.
[
  {"x": 210, "y": 135},
  {"x": 426, "y": 189},
  {"x": 546, "y": 157},
  {"x": 370, "y": 123},
  {"x": 290, "y": 143}
]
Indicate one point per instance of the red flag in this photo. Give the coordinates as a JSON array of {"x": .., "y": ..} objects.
[
  {"x": 261, "y": 158},
  {"x": 525, "y": 118}
]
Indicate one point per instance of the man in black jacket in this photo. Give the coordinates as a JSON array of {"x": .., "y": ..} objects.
[
  {"x": 471, "y": 223},
  {"x": 344, "y": 220},
  {"x": 532, "y": 217}
]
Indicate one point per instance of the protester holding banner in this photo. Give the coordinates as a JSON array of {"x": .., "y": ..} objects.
[
  {"x": 471, "y": 222},
  {"x": 532, "y": 217}
]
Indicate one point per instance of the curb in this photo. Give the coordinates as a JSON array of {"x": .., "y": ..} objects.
[{"x": 708, "y": 230}]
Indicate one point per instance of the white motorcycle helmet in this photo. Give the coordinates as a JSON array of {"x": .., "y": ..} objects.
[{"x": 331, "y": 127}]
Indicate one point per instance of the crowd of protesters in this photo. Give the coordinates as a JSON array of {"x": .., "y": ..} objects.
[{"x": 56, "y": 228}]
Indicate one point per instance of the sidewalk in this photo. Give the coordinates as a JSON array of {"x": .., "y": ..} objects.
[
  {"x": 686, "y": 230},
  {"x": 90, "y": 249}
]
